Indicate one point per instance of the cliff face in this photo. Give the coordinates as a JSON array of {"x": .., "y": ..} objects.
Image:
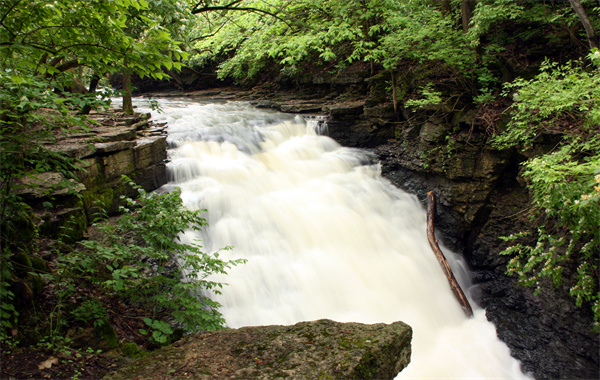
[
  {"x": 307, "y": 350},
  {"x": 481, "y": 199}
]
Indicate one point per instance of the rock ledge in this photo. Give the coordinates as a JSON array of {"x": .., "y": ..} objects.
[{"x": 307, "y": 350}]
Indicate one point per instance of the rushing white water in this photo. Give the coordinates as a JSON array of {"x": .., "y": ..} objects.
[{"x": 324, "y": 234}]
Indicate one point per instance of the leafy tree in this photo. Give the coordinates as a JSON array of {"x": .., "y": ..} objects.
[
  {"x": 156, "y": 31},
  {"x": 46, "y": 38},
  {"x": 46, "y": 49},
  {"x": 330, "y": 32}
]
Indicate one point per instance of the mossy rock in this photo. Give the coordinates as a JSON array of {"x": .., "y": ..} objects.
[
  {"x": 305, "y": 350},
  {"x": 19, "y": 225},
  {"x": 132, "y": 350},
  {"x": 40, "y": 265},
  {"x": 108, "y": 334},
  {"x": 36, "y": 283},
  {"x": 21, "y": 264}
]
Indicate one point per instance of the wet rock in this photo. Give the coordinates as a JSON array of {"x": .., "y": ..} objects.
[
  {"x": 300, "y": 108},
  {"x": 432, "y": 133},
  {"x": 149, "y": 151},
  {"x": 344, "y": 109},
  {"x": 307, "y": 350},
  {"x": 380, "y": 111}
]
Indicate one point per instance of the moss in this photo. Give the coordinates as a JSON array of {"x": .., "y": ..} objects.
[
  {"x": 132, "y": 350},
  {"x": 108, "y": 334},
  {"x": 21, "y": 264},
  {"x": 40, "y": 265},
  {"x": 36, "y": 283},
  {"x": 97, "y": 201},
  {"x": 367, "y": 367},
  {"x": 19, "y": 227}
]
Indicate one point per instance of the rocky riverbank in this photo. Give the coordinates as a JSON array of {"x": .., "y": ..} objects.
[
  {"x": 478, "y": 189},
  {"x": 116, "y": 145}
]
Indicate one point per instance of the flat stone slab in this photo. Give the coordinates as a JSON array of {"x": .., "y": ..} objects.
[
  {"x": 114, "y": 146},
  {"x": 321, "y": 349},
  {"x": 48, "y": 184},
  {"x": 111, "y": 134},
  {"x": 345, "y": 108}
]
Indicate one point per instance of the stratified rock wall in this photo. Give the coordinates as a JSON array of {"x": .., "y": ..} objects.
[
  {"x": 118, "y": 146},
  {"x": 321, "y": 349}
]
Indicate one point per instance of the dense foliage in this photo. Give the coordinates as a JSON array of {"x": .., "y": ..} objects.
[
  {"x": 54, "y": 55},
  {"x": 144, "y": 260},
  {"x": 564, "y": 183}
]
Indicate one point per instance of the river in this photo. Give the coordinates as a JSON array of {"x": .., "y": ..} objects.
[{"x": 324, "y": 234}]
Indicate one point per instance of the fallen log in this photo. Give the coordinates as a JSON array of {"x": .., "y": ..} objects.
[{"x": 462, "y": 299}]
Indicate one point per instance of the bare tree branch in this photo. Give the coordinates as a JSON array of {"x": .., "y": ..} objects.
[
  {"x": 231, "y": 7},
  {"x": 587, "y": 25}
]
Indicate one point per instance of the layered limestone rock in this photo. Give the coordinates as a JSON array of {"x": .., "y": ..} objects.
[
  {"x": 126, "y": 145},
  {"x": 321, "y": 349}
]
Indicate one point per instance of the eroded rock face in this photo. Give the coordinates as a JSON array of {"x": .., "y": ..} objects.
[
  {"x": 306, "y": 350},
  {"x": 546, "y": 328}
]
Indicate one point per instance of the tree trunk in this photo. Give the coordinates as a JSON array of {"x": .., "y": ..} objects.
[
  {"x": 462, "y": 299},
  {"x": 93, "y": 85},
  {"x": 446, "y": 7},
  {"x": 466, "y": 8},
  {"x": 127, "y": 102},
  {"x": 394, "y": 91},
  {"x": 587, "y": 25}
]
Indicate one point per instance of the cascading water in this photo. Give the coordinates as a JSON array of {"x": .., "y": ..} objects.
[{"x": 324, "y": 234}]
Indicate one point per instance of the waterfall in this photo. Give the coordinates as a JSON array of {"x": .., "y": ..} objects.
[{"x": 324, "y": 234}]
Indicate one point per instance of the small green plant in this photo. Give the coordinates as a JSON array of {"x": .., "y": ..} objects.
[
  {"x": 425, "y": 160},
  {"x": 161, "y": 330},
  {"x": 429, "y": 97},
  {"x": 90, "y": 311},
  {"x": 8, "y": 313}
]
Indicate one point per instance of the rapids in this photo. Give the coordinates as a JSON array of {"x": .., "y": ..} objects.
[{"x": 324, "y": 234}]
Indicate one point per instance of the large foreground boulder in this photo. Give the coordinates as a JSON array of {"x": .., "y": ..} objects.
[{"x": 307, "y": 350}]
